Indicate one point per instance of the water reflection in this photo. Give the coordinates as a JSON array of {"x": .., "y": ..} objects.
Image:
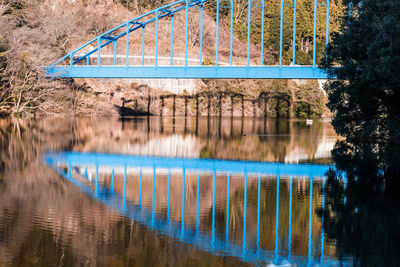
[
  {"x": 251, "y": 210},
  {"x": 227, "y": 138},
  {"x": 47, "y": 219},
  {"x": 364, "y": 213}
]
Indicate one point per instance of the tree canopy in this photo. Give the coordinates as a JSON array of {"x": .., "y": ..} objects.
[{"x": 365, "y": 60}]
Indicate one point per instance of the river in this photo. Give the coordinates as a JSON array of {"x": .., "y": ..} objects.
[{"x": 157, "y": 191}]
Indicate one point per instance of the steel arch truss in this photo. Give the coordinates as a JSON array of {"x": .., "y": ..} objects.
[{"x": 86, "y": 60}]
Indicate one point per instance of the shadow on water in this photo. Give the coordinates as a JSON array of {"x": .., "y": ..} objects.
[{"x": 363, "y": 214}]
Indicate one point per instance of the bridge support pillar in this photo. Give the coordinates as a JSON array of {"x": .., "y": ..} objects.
[
  {"x": 162, "y": 105},
  {"x": 186, "y": 103},
  {"x": 174, "y": 105},
  {"x": 148, "y": 101},
  {"x": 197, "y": 107},
  {"x": 242, "y": 97},
  {"x": 208, "y": 105},
  {"x": 220, "y": 105},
  {"x": 265, "y": 105},
  {"x": 254, "y": 108},
  {"x": 232, "y": 106}
]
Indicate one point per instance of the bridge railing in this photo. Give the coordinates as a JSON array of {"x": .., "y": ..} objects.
[{"x": 88, "y": 59}]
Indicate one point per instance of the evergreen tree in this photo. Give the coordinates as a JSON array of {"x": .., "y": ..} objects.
[{"x": 365, "y": 96}]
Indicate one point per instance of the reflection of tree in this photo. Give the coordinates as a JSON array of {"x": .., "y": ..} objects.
[
  {"x": 366, "y": 226},
  {"x": 41, "y": 248},
  {"x": 267, "y": 140},
  {"x": 363, "y": 216}
]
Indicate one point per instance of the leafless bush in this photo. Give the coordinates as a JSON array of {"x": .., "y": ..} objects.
[
  {"x": 3, "y": 7},
  {"x": 29, "y": 47}
]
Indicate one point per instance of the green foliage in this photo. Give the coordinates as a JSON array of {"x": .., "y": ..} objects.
[
  {"x": 309, "y": 101},
  {"x": 274, "y": 32},
  {"x": 365, "y": 96},
  {"x": 18, "y": 114},
  {"x": 205, "y": 153},
  {"x": 302, "y": 57},
  {"x": 208, "y": 62},
  {"x": 279, "y": 86}
]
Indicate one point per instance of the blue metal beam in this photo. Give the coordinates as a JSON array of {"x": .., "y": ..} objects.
[
  {"x": 190, "y": 72},
  {"x": 258, "y": 212},
  {"x": 115, "y": 52},
  {"x": 228, "y": 192},
  {"x": 186, "y": 32},
  {"x": 217, "y": 35},
  {"x": 276, "y": 252},
  {"x": 294, "y": 31},
  {"x": 127, "y": 45},
  {"x": 322, "y": 223},
  {"x": 204, "y": 165},
  {"x": 315, "y": 34},
  {"x": 140, "y": 186},
  {"x": 198, "y": 204},
  {"x": 125, "y": 181},
  {"x": 281, "y": 34},
  {"x": 99, "y": 53},
  {"x": 248, "y": 32},
  {"x": 156, "y": 45},
  {"x": 201, "y": 33},
  {"x": 183, "y": 202},
  {"x": 231, "y": 35},
  {"x": 172, "y": 40},
  {"x": 262, "y": 31},
  {"x": 310, "y": 223},
  {"x": 290, "y": 218},
  {"x": 244, "y": 215},
  {"x": 143, "y": 43},
  {"x": 213, "y": 210}
]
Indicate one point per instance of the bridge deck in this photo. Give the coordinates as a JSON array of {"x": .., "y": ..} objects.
[
  {"x": 190, "y": 72},
  {"x": 204, "y": 165}
]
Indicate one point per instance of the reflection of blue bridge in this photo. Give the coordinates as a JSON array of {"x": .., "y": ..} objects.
[
  {"x": 66, "y": 163},
  {"x": 89, "y": 61}
]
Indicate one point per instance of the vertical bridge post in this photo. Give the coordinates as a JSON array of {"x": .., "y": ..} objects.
[
  {"x": 127, "y": 44},
  {"x": 172, "y": 40},
  {"x": 186, "y": 32}
]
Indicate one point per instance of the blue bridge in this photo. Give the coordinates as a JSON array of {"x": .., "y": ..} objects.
[
  {"x": 95, "y": 59},
  {"x": 237, "y": 218}
]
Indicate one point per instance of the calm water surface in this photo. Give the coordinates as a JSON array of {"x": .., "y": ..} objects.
[{"x": 165, "y": 191}]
